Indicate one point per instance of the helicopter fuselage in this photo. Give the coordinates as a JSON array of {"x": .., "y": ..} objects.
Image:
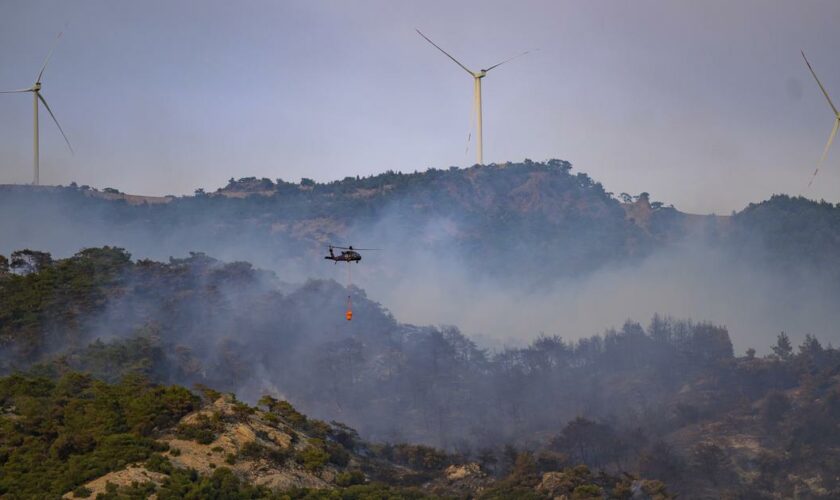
[{"x": 346, "y": 256}]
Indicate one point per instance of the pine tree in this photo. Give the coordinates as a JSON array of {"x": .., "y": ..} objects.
[{"x": 783, "y": 348}]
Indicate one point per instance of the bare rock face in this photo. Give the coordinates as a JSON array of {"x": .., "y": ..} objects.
[
  {"x": 226, "y": 450},
  {"x": 553, "y": 483},
  {"x": 258, "y": 449},
  {"x": 571, "y": 483},
  {"x": 465, "y": 480},
  {"x": 458, "y": 472},
  {"x": 290, "y": 478}
]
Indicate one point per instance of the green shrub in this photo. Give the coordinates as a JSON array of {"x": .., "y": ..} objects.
[
  {"x": 587, "y": 491},
  {"x": 252, "y": 450},
  {"x": 318, "y": 428},
  {"x": 417, "y": 456},
  {"x": 279, "y": 456},
  {"x": 350, "y": 478},
  {"x": 241, "y": 411},
  {"x": 313, "y": 457},
  {"x": 195, "y": 433},
  {"x": 287, "y": 411},
  {"x": 70, "y": 432},
  {"x": 655, "y": 489},
  {"x": 373, "y": 491},
  {"x": 344, "y": 435},
  {"x": 221, "y": 484},
  {"x": 204, "y": 431},
  {"x": 209, "y": 394},
  {"x": 338, "y": 455},
  {"x": 159, "y": 463},
  {"x": 82, "y": 492},
  {"x": 622, "y": 490},
  {"x": 134, "y": 491}
]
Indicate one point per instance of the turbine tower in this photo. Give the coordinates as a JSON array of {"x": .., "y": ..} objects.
[
  {"x": 36, "y": 96},
  {"x": 477, "y": 76},
  {"x": 836, "y": 119}
]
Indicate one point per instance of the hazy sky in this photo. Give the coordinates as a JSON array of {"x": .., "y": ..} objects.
[{"x": 707, "y": 105}]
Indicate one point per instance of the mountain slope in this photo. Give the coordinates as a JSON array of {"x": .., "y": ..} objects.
[
  {"x": 522, "y": 224},
  {"x": 670, "y": 401},
  {"x": 82, "y": 438},
  {"x": 477, "y": 216}
]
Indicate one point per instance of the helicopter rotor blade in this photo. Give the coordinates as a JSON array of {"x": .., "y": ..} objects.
[{"x": 349, "y": 248}]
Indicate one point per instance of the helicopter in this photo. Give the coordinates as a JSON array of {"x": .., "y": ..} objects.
[{"x": 348, "y": 254}]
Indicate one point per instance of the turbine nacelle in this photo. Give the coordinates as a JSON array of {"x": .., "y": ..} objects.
[{"x": 36, "y": 87}]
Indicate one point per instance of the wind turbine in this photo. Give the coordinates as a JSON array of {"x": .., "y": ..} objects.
[
  {"x": 477, "y": 76},
  {"x": 836, "y": 119},
  {"x": 36, "y": 96}
]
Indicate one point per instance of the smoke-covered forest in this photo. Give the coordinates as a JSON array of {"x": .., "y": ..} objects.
[
  {"x": 588, "y": 328},
  {"x": 668, "y": 400},
  {"x": 504, "y": 252}
]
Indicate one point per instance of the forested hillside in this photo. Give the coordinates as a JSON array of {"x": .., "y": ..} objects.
[
  {"x": 502, "y": 251},
  {"x": 522, "y": 224},
  {"x": 791, "y": 233},
  {"x": 555, "y": 222},
  {"x": 80, "y": 438},
  {"x": 669, "y": 401}
]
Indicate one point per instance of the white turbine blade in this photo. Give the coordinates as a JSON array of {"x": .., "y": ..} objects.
[
  {"x": 14, "y": 91},
  {"x": 827, "y": 147},
  {"x": 836, "y": 114},
  {"x": 44, "y": 101},
  {"x": 509, "y": 59},
  {"x": 447, "y": 54},
  {"x": 55, "y": 44}
]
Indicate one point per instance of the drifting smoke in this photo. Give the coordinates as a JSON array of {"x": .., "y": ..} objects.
[
  {"x": 496, "y": 289},
  {"x": 692, "y": 279},
  {"x": 197, "y": 320}
]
